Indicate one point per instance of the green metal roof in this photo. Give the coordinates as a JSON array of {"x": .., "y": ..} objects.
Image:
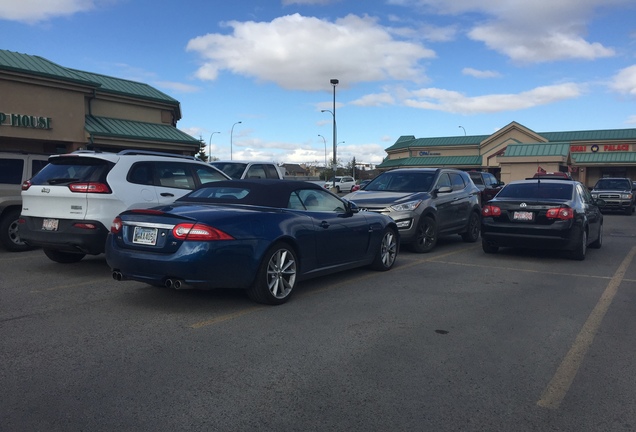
[
  {"x": 436, "y": 161},
  {"x": 590, "y": 135},
  {"x": 110, "y": 127},
  {"x": 409, "y": 141},
  {"x": 35, "y": 65},
  {"x": 604, "y": 158},
  {"x": 538, "y": 149},
  {"x": 125, "y": 87}
]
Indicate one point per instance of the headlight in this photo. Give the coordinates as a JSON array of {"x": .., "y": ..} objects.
[
  {"x": 594, "y": 195},
  {"x": 626, "y": 196},
  {"x": 409, "y": 206}
]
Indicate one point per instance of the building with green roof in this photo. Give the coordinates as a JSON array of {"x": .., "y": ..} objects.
[
  {"x": 48, "y": 108},
  {"x": 516, "y": 152}
]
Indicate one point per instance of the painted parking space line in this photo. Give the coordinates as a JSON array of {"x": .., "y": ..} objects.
[
  {"x": 227, "y": 317},
  {"x": 560, "y": 383}
]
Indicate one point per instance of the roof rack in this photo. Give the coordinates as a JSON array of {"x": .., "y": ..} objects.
[{"x": 156, "y": 153}]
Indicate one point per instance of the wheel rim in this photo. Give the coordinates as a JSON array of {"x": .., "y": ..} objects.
[
  {"x": 474, "y": 227},
  {"x": 426, "y": 235},
  {"x": 281, "y": 273},
  {"x": 13, "y": 233},
  {"x": 389, "y": 249}
]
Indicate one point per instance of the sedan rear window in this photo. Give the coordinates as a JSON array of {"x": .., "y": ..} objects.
[{"x": 543, "y": 190}]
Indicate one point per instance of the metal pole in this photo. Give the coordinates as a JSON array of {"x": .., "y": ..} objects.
[
  {"x": 210, "y": 154},
  {"x": 231, "y": 137},
  {"x": 334, "y": 83},
  {"x": 325, "y": 143},
  {"x": 464, "y": 130}
]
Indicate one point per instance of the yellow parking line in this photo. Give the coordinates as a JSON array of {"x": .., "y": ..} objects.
[
  {"x": 226, "y": 317},
  {"x": 562, "y": 380}
]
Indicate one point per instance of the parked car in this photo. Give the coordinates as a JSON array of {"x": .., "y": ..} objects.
[
  {"x": 244, "y": 169},
  {"x": 263, "y": 236},
  {"x": 15, "y": 168},
  {"x": 543, "y": 214},
  {"x": 69, "y": 205},
  {"x": 617, "y": 192},
  {"x": 487, "y": 184},
  {"x": 343, "y": 183},
  {"x": 426, "y": 203},
  {"x": 360, "y": 185}
]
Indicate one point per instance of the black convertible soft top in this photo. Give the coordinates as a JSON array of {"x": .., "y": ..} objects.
[{"x": 260, "y": 192}]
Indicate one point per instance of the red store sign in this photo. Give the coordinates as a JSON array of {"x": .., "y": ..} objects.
[{"x": 595, "y": 148}]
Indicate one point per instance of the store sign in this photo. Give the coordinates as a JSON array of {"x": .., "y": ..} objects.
[
  {"x": 595, "y": 148},
  {"x": 25, "y": 121},
  {"x": 428, "y": 153}
]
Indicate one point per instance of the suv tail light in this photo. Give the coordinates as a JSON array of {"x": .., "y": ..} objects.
[
  {"x": 198, "y": 232},
  {"x": 90, "y": 187},
  {"x": 26, "y": 185},
  {"x": 490, "y": 211},
  {"x": 563, "y": 213}
]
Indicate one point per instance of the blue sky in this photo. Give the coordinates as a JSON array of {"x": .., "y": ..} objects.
[{"x": 427, "y": 68}]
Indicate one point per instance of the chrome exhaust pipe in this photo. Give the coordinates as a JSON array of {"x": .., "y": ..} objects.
[
  {"x": 176, "y": 284},
  {"x": 117, "y": 275},
  {"x": 168, "y": 283}
]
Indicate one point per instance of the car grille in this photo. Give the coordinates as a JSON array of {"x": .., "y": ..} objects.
[{"x": 609, "y": 195}]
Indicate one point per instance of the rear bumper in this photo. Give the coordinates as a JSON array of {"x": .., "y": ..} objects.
[
  {"x": 68, "y": 237},
  {"x": 566, "y": 238}
]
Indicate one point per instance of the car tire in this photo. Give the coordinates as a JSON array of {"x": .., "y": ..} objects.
[
  {"x": 488, "y": 248},
  {"x": 425, "y": 235},
  {"x": 387, "y": 252},
  {"x": 578, "y": 253},
  {"x": 337, "y": 189},
  {"x": 596, "y": 244},
  {"x": 471, "y": 235},
  {"x": 276, "y": 276},
  {"x": 9, "y": 236},
  {"x": 63, "y": 257}
]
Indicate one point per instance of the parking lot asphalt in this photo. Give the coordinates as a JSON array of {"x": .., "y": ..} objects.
[{"x": 451, "y": 340}]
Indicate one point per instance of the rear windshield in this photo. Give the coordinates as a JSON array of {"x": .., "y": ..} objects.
[
  {"x": 402, "y": 182},
  {"x": 613, "y": 184},
  {"x": 539, "y": 190},
  {"x": 65, "y": 170},
  {"x": 233, "y": 169}
]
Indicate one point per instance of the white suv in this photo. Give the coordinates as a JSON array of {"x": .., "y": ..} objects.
[
  {"x": 343, "y": 183},
  {"x": 68, "y": 207},
  {"x": 15, "y": 168},
  {"x": 243, "y": 169}
]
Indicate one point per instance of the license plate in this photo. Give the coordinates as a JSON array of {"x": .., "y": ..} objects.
[
  {"x": 50, "y": 224},
  {"x": 145, "y": 236},
  {"x": 523, "y": 216}
]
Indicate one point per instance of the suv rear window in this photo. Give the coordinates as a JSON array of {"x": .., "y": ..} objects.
[
  {"x": 66, "y": 170},
  {"x": 543, "y": 190}
]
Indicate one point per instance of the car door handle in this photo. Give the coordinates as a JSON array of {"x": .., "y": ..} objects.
[
  {"x": 166, "y": 194},
  {"x": 324, "y": 224}
]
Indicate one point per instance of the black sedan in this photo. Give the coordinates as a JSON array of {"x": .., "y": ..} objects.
[
  {"x": 543, "y": 214},
  {"x": 259, "y": 235}
]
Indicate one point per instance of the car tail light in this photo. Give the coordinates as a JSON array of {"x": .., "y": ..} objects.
[
  {"x": 90, "y": 187},
  {"x": 26, "y": 185},
  {"x": 198, "y": 232},
  {"x": 116, "y": 226},
  {"x": 490, "y": 211},
  {"x": 563, "y": 213}
]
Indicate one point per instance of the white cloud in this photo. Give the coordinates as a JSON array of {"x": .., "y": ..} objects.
[
  {"x": 631, "y": 120},
  {"x": 378, "y": 99},
  {"x": 624, "y": 81},
  {"x": 300, "y": 53},
  {"x": 529, "y": 31},
  {"x": 33, "y": 11},
  {"x": 480, "y": 73},
  {"x": 177, "y": 86},
  {"x": 458, "y": 103}
]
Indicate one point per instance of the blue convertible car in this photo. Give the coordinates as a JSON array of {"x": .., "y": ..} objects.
[{"x": 259, "y": 235}]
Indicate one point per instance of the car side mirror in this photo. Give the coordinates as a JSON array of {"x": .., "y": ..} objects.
[{"x": 350, "y": 207}]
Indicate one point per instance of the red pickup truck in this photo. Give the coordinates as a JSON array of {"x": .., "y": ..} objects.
[{"x": 487, "y": 184}]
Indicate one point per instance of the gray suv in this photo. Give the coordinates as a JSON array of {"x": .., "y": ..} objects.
[
  {"x": 617, "y": 193},
  {"x": 15, "y": 168},
  {"x": 426, "y": 203}
]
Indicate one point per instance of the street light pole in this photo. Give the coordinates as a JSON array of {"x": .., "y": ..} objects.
[
  {"x": 325, "y": 143},
  {"x": 210, "y": 154},
  {"x": 464, "y": 130},
  {"x": 231, "y": 137},
  {"x": 334, "y": 83}
]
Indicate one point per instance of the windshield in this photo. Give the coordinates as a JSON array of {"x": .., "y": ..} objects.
[
  {"x": 542, "y": 190},
  {"x": 613, "y": 184},
  {"x": 402, "y": 182}
]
